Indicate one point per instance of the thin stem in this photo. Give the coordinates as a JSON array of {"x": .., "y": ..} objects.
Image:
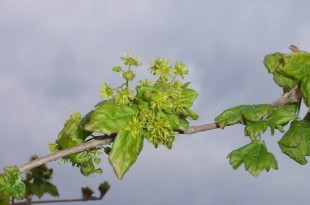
[
  {"x": 57, "y": 201},
  {"x": 293, "y": 96}
]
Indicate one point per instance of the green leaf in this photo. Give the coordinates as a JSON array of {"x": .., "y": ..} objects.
[
  {"x": 229, "y": 117},
  {"x": 295, "y": 143},
  {"x": 110, "y": 118},
  {"x": 254, "y": 129},
  {"x": 175, "y": 121},
  {"x": 189, "y": 96},
  {"x": 305, "y": 90},
  {"x": 243, "y": 113},
  {"x": 281, "y": 116},
  {"x": 74, "y": 129},
  {"x": 191, "y": 114},
  {"x": 37, "y": 188},
  {"x": 51, "y": 189},
  {"x": 284, "y": 82},
  {"x": 11, "y": 183},
  {"x": 4, "y": 200},
  {"x": 65, "y": 142},
  {"x": 125, "y": 151},
  {"x": 86, "y": 118},
  {"x": 255, "y": 157},
  {"x": 257, "y": 118},
  {"x": 294, "y": 107},
  {"x": 296, "y": 65},
  {"x": 236, "y": 157},
  {"x": 275, "y": 120},
  {"x": 274, "y": 63},
  {"x": 253, "y": 113}
]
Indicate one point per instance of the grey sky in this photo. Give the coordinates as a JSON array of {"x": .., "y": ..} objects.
[{"x": 54, "y": 56}]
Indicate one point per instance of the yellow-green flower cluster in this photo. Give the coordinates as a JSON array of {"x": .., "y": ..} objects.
[{"x": 156, "y": 101}]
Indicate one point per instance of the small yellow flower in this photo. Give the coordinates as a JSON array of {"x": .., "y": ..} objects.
[
  {"x": 180, "y": 69},
  {"x": 135, "y": 127},
  {"x": 130, "y": 60},
  {"x": 161, "y": 67},
  {"x": 106, "y": 91},
  {"x": 124, "y": 97}
]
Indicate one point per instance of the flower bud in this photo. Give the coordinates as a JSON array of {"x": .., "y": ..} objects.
[{"x": 128, "y": 75}]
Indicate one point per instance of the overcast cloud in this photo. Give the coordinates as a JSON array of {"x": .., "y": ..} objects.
[{"x": 54, "y": 56}]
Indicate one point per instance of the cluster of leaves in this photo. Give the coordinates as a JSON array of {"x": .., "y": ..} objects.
[
  {"x": 11, "y": 185},
  {"x": 155, "y": 111},
  {"x": 289, "y": 71},
  {"x": 257, "y": 118},
  {"x": 38, "y": 183},
  {"x": 72, "y": 135}
]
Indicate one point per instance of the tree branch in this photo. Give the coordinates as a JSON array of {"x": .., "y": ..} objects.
[
  {"x": 58, "y": 201},
  {"x": 66, "y": 152},
  {"x": 292, "y": 96}
]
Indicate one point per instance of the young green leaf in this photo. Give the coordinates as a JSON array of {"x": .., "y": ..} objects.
[
  {"x": 296, "y": 65},
  {"x": 284, "y": 82},
  {"x": 51, "y": 189},
  {"x": 254, "y": 129},
  {"x": 229, "y": 117},
  {"x": 110, "y": 118},
  {"x": 274, "y": 63},
  {"x": 243, "y": 113},
  {"x": 255, "y": 157},
  {"x": 38, "y": 188},
  {"x": 174, "y": 120},
  {"x": 253, "y": 113},
  {"x": 190, "y": 114},
  {"x": 189, "y": 95},
  {"x": 73, "y": 130},
  {"x": 11, "y": 183},
  {"x": 295, "y": 143},
  {"x": 281, "y": 116},
  {"x": 37, "y": 181},
  {"x": 125, "y": 151}
]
